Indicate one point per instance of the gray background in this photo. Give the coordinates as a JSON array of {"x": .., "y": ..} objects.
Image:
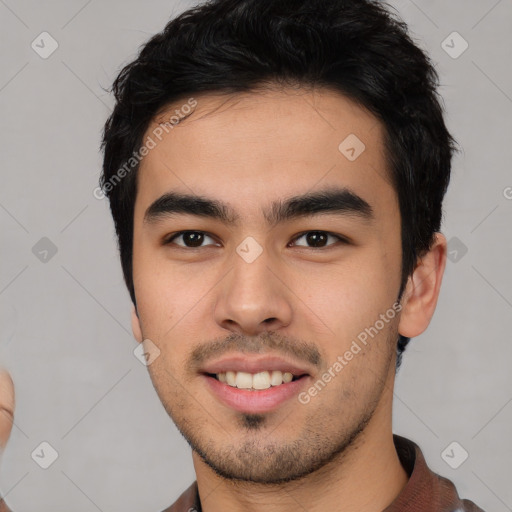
[{"x": 64, "y": 322}]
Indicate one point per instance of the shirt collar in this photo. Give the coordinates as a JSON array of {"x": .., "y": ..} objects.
[{"x": 425, "y": 491}]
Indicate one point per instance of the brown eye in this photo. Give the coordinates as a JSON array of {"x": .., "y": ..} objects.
[
  {"x": 190, "y": 239},
  {"x": 317, "y": 239}
]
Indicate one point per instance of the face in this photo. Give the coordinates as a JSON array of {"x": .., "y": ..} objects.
[{"x": 292, "y": 255}]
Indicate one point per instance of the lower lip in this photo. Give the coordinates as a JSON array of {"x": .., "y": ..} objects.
[{"x": 265, "y": 400}]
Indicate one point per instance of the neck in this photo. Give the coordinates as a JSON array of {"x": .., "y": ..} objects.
[{"x": 367, "y": 476}]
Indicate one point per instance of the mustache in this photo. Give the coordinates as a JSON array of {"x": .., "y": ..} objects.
[{"x": 267, "y": 342}]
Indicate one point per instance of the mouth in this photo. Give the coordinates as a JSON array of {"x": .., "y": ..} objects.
[
  {"x": 256, "y": 392},
  {"x": 256, "y": 381},
  {"x": 255, "y": 384}
]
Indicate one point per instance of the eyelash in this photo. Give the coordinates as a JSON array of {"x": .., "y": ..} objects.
[{"x": 169, "y": 240}]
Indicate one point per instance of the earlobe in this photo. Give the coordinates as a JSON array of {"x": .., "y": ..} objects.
[
  {"x": 136, "y": 329},
  {"x": 422, "y": 290}
]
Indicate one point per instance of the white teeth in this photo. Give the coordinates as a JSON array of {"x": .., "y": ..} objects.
[
  {"x": 287, "y": 377},
  {"x": 243, "y": 380},
  {"x": 276, "y": 378},
  {"x": 260, "y": 380}
]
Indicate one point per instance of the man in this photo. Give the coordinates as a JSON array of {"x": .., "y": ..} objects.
[{"x": 276, "y": 172}]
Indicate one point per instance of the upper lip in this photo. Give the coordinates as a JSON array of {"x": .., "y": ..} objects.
[{"x": 254, "y": 364}]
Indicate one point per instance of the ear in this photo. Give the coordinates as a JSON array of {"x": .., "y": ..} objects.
[
  {"x": 136, "y": 329},
  {"x": 422, "y": 290}
]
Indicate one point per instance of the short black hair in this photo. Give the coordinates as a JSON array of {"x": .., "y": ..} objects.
[{"x": 359, "y": 48}]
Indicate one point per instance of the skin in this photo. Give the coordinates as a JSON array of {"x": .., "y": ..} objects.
[
  {"x": 335, "y": 452},
  {"x": 6, "y": 416},
  {"x": 249, "y": 150},
  {"x": 6, "y": 407}
]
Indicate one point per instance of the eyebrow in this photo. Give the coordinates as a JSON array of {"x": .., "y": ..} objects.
[{"x": 341, "y": 201}]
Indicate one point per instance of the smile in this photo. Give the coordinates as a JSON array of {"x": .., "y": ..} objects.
[
  {"x": 253, "y": 400},
  {"x": 255, "y": 381}
]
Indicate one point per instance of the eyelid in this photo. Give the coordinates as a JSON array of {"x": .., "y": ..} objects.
[
  {"x": 340, "y": 238},
  {"x": 168, "y": 239}
]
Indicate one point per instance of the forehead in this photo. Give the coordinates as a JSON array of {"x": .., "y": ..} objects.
[{"x": 249, "y": 148}]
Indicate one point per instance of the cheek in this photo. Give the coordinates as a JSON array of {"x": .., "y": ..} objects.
[
  {"x": 170, "y": 297},
  {"x": 156, "y": 298},
  {"x": 345, "y": 301},
  {"x": 160, "y": 305}
]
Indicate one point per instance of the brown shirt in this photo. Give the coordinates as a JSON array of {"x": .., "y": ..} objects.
[{"x": 425, "y": 491}]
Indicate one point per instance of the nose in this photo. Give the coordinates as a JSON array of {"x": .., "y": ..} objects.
[{"x": 252, "y": 298}]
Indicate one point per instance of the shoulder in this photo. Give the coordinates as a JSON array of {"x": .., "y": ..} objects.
[{"x": 425, "y": 489}]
